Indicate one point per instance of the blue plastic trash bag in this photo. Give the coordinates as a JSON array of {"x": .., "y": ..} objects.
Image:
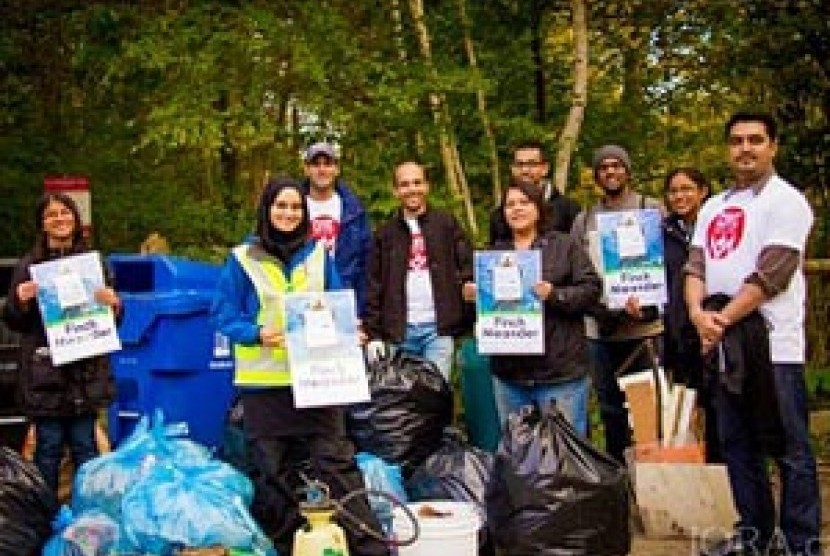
[
  {"x": 91, "y": 534},
  {"x": 101, "y": 483},
  {"x": 220, "y": 474},
  {"x": 380, "y": 475},
  {"x": 385, "y": 477},
  {"x": 167, "y": 509}
]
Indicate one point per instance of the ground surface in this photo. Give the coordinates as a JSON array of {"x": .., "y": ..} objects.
[{"x": 642, "y": 546}]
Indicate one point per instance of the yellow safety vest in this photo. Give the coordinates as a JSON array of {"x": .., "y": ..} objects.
[{"x": 258, "y": 365}]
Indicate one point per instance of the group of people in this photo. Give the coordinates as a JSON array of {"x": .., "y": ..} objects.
[{"x": 731, "y": 259}]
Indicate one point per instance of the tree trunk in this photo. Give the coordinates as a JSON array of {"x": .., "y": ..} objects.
[
  {"x": 538, "y": 60},
  {"x": 456, "y": 178},
  {"x": 481, "y": 99},
  {"x": 570, "y": 133},
  {"x": 403, "y": 57}
]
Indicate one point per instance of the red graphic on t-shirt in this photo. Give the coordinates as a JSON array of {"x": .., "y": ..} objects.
[
  {"x": 324, "y": 229},
  {"x": 417, "y": 253},
  {"x": 725, "y": 232}
]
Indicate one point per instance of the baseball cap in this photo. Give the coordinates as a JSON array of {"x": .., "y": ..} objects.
[{"x": 321, "y": 148}]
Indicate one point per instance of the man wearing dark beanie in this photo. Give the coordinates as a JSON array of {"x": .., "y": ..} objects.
[{"x": 613, "y": 335}]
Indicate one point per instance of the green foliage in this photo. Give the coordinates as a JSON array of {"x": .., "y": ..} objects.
[{"x": 178, "y": 111}]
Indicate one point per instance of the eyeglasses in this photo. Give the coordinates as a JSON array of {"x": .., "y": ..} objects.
[
  {"x": 60, "y": 213},
  {"x": 608, "y": 166},
  {"x": 527, "y": 163},
  {"x": 684, "y": 190},
  {"x": 280, "y": 205}
]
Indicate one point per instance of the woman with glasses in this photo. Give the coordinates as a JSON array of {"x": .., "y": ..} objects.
[
  {"x": 62, "y": 400},
  {"x": 685, "y": 189}
]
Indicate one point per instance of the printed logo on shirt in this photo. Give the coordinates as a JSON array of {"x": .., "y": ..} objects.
[
  {"x": 725, "y": 232},
  {"x": 417, "y": 252},
  {"x": 325, "y": 229}
]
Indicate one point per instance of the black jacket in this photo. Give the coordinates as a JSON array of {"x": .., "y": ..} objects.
[
  {"x": 450, "y": 257},
  {"x": 77, "y": 388},
  {"x": 681, "y": 348},
  {"x": 562, "y": 213},
  {"x": 576, "y": 287},
  {"x": 747, "y": 375}
]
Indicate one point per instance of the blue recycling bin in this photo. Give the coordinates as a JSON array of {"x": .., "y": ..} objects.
[{"x": 171, "y": 357}]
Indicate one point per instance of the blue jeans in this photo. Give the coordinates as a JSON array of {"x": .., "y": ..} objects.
[
  {"x": 571, "y": 399},
  {"x": 800, "y": 515},
  {"x": 422, "y": 339},
  {"x": 606, "y": 359},
  {"x": 51, "y": 433}
]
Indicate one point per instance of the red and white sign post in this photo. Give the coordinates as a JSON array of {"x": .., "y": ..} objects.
[{"x": 76, "y": 187}]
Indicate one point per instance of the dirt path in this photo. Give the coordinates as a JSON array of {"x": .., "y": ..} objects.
[{"x": 642, "y": 546}]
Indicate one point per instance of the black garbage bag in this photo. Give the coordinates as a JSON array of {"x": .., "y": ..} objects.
[
  {"x": 553, "y": 493},
  {"x": 410, "y": 406},
  {"x": 27, "y": 506},
  {"x": 456, "y": 471},
  {"x": 459, "y": 472}
]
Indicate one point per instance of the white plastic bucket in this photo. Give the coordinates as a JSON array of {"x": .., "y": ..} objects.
[{"x": 454, "y": 534}]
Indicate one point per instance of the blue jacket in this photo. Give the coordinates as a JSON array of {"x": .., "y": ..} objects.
[
  {"x": 351, "y": 251},
  {"x": 236, "y": 305}
]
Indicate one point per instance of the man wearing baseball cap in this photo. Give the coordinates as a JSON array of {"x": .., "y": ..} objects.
[
  {"x": 613, "y": 335},
  {"x": 338, "y": 218}
]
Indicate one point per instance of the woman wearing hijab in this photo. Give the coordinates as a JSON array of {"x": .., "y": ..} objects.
[
  {"x": 63, "y": 401},
  {"x": 248, "y": 308}
]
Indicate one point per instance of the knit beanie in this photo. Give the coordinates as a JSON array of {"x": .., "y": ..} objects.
[{"x": 611, "y": 151}]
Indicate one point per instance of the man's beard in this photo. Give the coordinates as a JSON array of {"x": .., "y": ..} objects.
[{"x": 616, "y": 192}]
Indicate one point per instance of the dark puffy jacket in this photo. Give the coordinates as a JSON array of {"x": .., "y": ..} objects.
[
  {"x": 576, "y": 287},
  {"x": 450, "y": 265},
  {"x": 77, "y": 388},
  {"x": 351, "y": 250},
  {"x": 681, "y": 349}
]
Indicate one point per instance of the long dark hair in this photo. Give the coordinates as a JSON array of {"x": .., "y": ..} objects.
[
  {"x": 278, "y": 243},
  {"x": 536, "y": 195},
  {"x": 40, "y": 250}
]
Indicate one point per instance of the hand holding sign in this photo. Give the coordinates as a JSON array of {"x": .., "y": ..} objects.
[
  {"x": 26, "y": 291},
  {"x": 543, "y": 289}
]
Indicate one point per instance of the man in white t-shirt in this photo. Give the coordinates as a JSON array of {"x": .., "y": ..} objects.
[
  {"x": 338, "y": 218},
  {"x": 419, "y": 260},
  {"x": 749, "y": 244}
]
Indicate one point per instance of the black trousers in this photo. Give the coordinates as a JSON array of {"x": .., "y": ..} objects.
[{"x": 330, "y": 458}]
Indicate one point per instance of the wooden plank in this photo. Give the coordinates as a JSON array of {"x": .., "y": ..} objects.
[
  {"x": 683, "y": 500},
  {"x": 642, "y": 406}
]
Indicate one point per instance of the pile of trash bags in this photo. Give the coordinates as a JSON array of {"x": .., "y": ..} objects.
[
  {"x": 546, "y": 490},
  {"x": 156, "y": 494}
]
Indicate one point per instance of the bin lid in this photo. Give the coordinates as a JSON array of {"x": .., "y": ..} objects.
[
  {"x": 154, "y": 273},
  {"x": 141, "y": 310}
]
